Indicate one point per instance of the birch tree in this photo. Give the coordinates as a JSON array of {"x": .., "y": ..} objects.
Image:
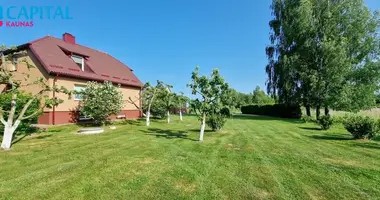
[
  {"x": 211, "y": 90},
  {"x": 14, "y": 87}
]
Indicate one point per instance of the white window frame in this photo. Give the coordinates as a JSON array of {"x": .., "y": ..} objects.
[
  {"x": 76, "y": 57},
  {"x": 78, "y": 88}
]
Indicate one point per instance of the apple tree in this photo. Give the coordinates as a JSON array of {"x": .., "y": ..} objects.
[{"x": 211, "y": 91}]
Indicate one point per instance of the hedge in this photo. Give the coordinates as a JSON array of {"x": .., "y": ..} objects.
[{"x": 275, "y": 110}]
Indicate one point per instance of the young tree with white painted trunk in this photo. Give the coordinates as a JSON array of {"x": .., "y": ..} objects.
[
  {"x": 149, "y": 96},
  {"x": 13, "y": 88},
  {"x": 141, "y": 98},
  {"x": 211, "y": 90},
  {"x": 181, "y": 102},
  {"x": 168, "y": 99}
]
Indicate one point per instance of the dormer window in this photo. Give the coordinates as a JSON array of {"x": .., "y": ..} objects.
[{"x": 79, "y": 60}]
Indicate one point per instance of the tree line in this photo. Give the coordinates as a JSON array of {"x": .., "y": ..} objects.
[
  {"x": 257, "y": 97},
  {"x": 324, "y": 54}
]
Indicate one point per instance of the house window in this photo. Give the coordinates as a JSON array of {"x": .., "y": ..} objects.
[
  {"x": 79, "y": 60},
  {"x": 83, "y": 117},
  {"x": 77, "y": 90}
]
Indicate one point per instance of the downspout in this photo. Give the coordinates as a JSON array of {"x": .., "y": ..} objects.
[{"x": 55, "y": 80}]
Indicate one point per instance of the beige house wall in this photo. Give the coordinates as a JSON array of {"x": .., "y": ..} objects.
[
  {"x": 72, "y": 105},
  {"x": 35, "y": 72},
  {"x": 2, "y": 87}
]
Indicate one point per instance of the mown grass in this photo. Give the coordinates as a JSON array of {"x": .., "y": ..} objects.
[{"x": 252, "y": 158}]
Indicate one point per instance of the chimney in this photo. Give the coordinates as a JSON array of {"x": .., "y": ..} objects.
[{"x": 67, "y": 37}]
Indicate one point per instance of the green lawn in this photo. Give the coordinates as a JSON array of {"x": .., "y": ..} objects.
[{"x": 252, "y": 158}]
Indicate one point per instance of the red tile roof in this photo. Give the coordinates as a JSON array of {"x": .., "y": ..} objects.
[{"x": 99, "y": 66}]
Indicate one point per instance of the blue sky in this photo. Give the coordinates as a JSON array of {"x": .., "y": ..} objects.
[{"x": 166, "y": 39}]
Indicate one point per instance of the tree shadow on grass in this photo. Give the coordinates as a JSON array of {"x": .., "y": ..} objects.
[
  {"x": 331, "y": 137},
  {"x": 376, "y": 138},
  {"x": 311, "y": 128},
  {"x": 43, "y": 136},
  {"x": 168, "y": 134},
  {"x": 198, "y": 130},
  {"x": 52, "y": 131},
  {"x": 20, "y": 137},
  {"x": 265, "y": 118}
]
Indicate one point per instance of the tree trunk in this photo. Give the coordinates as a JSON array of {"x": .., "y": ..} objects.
[
  {"x": 318, "y": 112},
  {"x": 168, "y": 117},
  {"x": 180, "y": 115},
  {"x": 327, "y": 111},
  {"x": 7, "y": 137},
  {"x": 147, "y": 118},
  {"x": 148, "y": 111},
  {"x": 308, "y": 112},
  {"x": 203, "y": 125},
  {"x": 8, "y": 128}
]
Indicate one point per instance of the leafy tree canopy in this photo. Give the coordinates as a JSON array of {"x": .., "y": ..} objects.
[{"x": 100, "y": 101}]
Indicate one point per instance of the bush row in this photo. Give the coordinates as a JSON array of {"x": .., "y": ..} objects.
[
  {"x": 360, "y": 127},
  {"x": 275, "y": 110}
]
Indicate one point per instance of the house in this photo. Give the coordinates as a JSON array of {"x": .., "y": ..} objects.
[{"x": 63, "y": 62}]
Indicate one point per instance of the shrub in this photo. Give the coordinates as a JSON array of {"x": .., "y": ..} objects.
[
  {"x": 225, "y": 112},
  {"x": 276, "y": 110},
  {"x": 307, "y": 119},
  {"x": 215, "y": 121},
  {"x": 22, "y": 98},
  {"x": 338, "y": 119},
  {"x": 325, "y": 122},
  {"x": 361, "y": 127},
  {"x": 100, "y": 101}
]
